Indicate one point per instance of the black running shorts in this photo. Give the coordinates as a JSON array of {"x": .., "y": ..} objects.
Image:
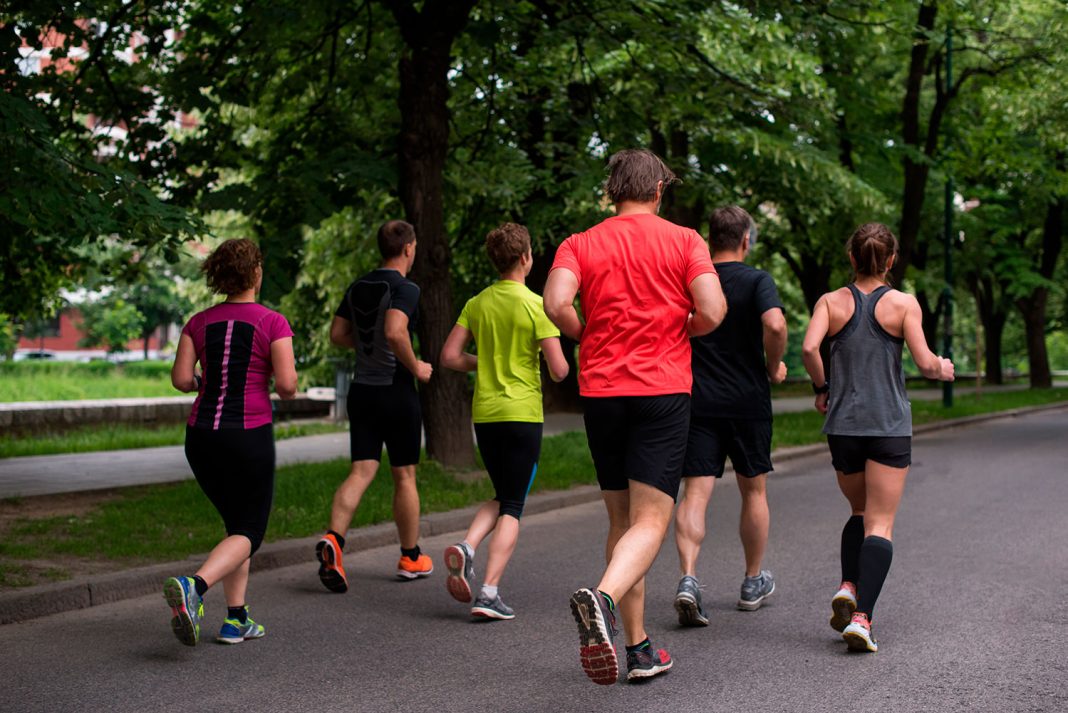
[
  {"x": 850, "y": 453},
  {"x": 640, "y": 438},
  {"x": 712, "y": 440},
  {"x": 235, "y": 469},
  {"x": 388, "y": 415},
  {"x": 510, "y": 451}
]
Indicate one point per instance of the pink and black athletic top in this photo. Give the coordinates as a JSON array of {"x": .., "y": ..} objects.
[{"x": 233, "y": 346}]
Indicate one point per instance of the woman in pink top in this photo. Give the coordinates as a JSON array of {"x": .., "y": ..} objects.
[{"x": 229, "y": 439}]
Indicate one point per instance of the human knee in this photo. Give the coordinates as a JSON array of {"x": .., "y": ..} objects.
[
  {"x": 404, "y": 476},
  {"x": 252, "y": 534},
  {"x": 754, "y": 487}
]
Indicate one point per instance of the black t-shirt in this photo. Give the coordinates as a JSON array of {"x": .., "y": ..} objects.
[
  {"x": 365, "y": 305},
  {"x": 730, "y": 378}
]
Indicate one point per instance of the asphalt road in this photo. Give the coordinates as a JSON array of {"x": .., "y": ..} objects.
[{"x": 974, "y": 615}]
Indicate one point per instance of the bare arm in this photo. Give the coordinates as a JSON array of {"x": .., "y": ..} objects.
[
  {"x": 453, "y": 355},
  {"x": 554, "y": 358},
  {"x": 183, "y": 374},
  {"x": 930, "y": 364},
  {"x": 709, "y": 303},
  {"x": 810, "y": 349},
  {"x": 400, "y": 342},
  {"x": 559, "y": 299},
  {"x": 284, "y": 367},
  {"x": 341, "y": 333},
  {"x": 774, "y": 322}
]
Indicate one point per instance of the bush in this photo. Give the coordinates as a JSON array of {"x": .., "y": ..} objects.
[{"x": 148, "y": 369}]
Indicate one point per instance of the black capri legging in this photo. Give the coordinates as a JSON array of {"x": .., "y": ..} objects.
[
  {"x": 510, "y": 452},
  {"x": 235, "y": 469}
]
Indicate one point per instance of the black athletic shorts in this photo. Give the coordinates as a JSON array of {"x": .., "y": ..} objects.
[
  {"x": 746, "y": 441},
  {"x": 510, "y": 451},
  {"x": 640, "y": 438},
  {"x": 850, "y": 453},
  {"x": 385, "y": 414},
  {"x": 235, "y": 469}
]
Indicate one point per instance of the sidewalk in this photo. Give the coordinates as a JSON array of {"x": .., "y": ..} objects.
[{"x": 49, "y": 475}]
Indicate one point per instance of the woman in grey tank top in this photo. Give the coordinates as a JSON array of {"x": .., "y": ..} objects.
[{"x": 869, "y": 419}]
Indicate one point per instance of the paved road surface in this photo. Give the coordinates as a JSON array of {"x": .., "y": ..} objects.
[
  {"x": 974, "y": 615},
  {"x": 44, "y": 475}
]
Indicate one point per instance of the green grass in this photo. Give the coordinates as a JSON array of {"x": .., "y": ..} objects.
[
  {"x": 63, "y": 381},
  {"x": 120, "y": 436},
  {"x": 160, "y": 523},
  {"x": 796, "y": 429},
  {"x": 166, "y": 522}
]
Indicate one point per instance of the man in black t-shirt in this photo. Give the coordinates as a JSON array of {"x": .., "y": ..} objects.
[
  {"x": 730, "y": 413},
  {"x": 375, "y": 319}
]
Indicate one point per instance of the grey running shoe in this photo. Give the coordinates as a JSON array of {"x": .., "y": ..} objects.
[
  {"x": 646, "y": 663},
  {"x": 492, "y": 608},
  {"x": 688, "y": 603},
  {"x": 596, "y": 625},
  {"x": 755, "y": 590},
  {"x": 461, "y": 566}
]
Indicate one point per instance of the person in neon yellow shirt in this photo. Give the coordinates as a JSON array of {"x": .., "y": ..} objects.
[{"x": 508, "y": 325}]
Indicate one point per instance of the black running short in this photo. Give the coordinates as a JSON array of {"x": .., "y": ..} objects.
[
  {"x": 850, "y": 453},
  {"x": 235, "y": 469},
  {"x": 510, "y": 451},
  {"x": 712, "y": 440},
  {"x": 640, "y": 438},
  {"x": 388, "y": 415}
]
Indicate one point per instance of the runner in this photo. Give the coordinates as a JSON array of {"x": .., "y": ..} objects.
[
  {"x": 869, "y": 419},
  {"x": 731, "y": 413},
  {"x": 229, "y": 439},
  {"x": 646, "y": 286},
  {"x": 375, "y": 319},
  {"x": 509, "y": 328}
]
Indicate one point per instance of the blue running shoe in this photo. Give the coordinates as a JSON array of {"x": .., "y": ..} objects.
[
  {"x": 187, "y": 608},
  {"x": 234, "y": 632}
]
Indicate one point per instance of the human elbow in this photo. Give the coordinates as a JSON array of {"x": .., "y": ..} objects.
[
  {"x": 286, "y": 386},
  {"x": 559, "y": 373}
]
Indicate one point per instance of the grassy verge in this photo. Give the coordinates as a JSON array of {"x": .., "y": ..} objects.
[
  {"x": 167, "y": 522},
  {"x": 120, "y": 436},
  {"x": 63, "y": 381}
]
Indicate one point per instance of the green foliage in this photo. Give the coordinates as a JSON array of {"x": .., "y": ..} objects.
[{"x": 111, "y": 322}]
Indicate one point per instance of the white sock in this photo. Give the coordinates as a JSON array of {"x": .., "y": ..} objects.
[
  {"x": 489, "y": 591},
  {"x": 467, "y": 546}
]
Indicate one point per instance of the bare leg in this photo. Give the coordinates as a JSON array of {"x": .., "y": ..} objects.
[
  {"x": 884, "y": 485},
  {"x": 649, "y": 514},
  {"x": 501, "y": 548},
  {"x": 483, "y": 523},
  {"x": 690, "y": 521},
  {"x": 228, "y": 556},
  {"x": 235, "y": 584},
  {"x": 852, "y": 486},
  {"x": 754, "y": 521},
  {"x": 348, "y": 495},
  {"x": 406, "y": 505}
]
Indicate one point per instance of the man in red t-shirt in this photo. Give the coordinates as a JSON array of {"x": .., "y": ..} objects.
[{"x": 647, "y": 286}]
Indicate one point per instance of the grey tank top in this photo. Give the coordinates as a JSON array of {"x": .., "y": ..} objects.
[{"x": 867, "y": 395}]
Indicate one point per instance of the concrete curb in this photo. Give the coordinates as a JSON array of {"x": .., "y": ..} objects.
[{"x": 94, "y": 590}]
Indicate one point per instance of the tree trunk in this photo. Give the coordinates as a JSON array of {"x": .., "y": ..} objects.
[
  {"x": 562, "y": 396},
  {"x": 915, "y": 171},
  {"x": 992, "y": 316},
  {"x": 423, "y": 144},
  {"x": 1033, "y": 311}
]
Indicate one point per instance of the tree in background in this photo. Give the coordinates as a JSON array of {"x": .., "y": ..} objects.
[{"x": 111, "y": 322}]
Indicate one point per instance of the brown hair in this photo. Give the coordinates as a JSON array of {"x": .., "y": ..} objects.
[
  {"x": 506, "y": 244},
  {"x": 871, "y": 246},
  {"x": 633, "y": 175},
  {"x": 231, "y": 269},
  {"x": 393, "y": 236},
  {"x": 727, "y": 227}
]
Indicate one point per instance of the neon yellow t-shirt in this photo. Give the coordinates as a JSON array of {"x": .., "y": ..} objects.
[{"x": 507, "y": 322}]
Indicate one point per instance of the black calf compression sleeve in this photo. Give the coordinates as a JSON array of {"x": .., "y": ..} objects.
[
  {"x": 875, "y": 556},
  {"x": 852, "y": 537}
]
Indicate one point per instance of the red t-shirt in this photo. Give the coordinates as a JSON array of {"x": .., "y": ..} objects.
[{"x": 634, "y": 273}]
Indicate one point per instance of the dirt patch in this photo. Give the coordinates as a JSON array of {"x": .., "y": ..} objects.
[{"x": 18, "y": 573}]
